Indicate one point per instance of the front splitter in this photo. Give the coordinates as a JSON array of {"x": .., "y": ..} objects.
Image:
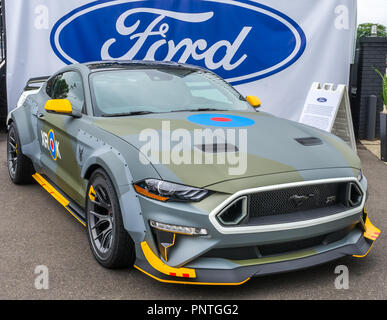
[{"x": 154, "y": 267}]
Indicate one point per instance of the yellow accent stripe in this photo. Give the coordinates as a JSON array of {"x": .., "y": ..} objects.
[
  {"x": 148, "y": 194},
  {"x": 55, "y": 194},
  {"x": 92, "y": 193},
  {"x": 160, "y": 266},
  {"x": 197, "y": 283},
  {"x": 362, "y": 256},
  {"x": 371, "y": 233},
  {"x": 50, "y": 189},
  {"x": 165, "y": 248},
  {"x": 80, "y": 221}
]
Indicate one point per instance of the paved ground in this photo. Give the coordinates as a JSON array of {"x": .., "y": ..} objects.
[
  {"x": 373, "y": 147},
  {"x": 36, "y": 230}
]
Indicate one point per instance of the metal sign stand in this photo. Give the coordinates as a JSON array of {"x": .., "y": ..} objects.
[{"x": 327, "y": 107}]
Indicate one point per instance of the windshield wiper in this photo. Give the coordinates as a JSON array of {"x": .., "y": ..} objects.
[
  {"x": 123, "y": 114},
  {"x": 200, "y": 109}
]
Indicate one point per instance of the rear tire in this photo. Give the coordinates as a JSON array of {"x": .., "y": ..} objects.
[
  {"x": 110, "y": 243},
  {"x": 20, "y": 167}
]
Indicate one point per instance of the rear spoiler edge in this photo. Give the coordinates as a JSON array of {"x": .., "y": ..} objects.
[{"x": 35, "y": 83}]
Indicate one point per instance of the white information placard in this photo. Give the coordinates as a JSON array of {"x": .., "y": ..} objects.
[{"x": 327, "y": 107}]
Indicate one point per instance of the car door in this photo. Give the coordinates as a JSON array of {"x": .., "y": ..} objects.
[{"x": 58, "y": 136}]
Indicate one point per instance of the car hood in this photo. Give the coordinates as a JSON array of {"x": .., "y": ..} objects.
[{"x": 270, "y": 143}]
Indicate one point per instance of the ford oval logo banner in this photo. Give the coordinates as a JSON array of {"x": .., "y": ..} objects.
[
  {"x": 242, "y": 41},
  {"x": 272, "y": 49}
]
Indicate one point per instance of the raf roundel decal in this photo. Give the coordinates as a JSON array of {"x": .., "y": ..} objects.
[
  {"x": 51, "y": 144},
  {"x": 220, "y": 120}
]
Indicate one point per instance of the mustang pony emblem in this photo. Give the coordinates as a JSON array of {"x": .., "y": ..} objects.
[{"x": 299, "y": 200}]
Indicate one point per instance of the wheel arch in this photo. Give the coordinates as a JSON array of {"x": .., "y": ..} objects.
[
  {"x": 122, "y": 181},
  {"x": 26, "y": 129},
  {"x": 9, "y": 121},
  {"x": 24, "y": 132},
  {"x": 89, "y": 171},
  {"x": 105, "y": 160}
]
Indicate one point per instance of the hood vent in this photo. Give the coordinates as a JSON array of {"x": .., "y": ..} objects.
[
  {"x": 309, "y": 141},
  {"x": 217, "y": 148}
]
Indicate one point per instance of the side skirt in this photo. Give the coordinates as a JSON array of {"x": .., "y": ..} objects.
[{"x": 59, "y": 196}]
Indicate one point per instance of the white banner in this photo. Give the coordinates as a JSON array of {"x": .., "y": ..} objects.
[{"x": 274, "y": 49}]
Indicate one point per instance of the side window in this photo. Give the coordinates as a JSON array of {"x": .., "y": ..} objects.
[
  {"x": 69, "y": 86},
  {"x": 49, "y": 86}
]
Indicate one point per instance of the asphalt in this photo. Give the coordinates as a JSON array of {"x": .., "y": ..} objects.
[{"x": 36, "y": 230}]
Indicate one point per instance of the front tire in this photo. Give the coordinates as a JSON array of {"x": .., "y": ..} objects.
[
  {"x": 110, "y": 243},
  {"x": 20, "y": 167}
]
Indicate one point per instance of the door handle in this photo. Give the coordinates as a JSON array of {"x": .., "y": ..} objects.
[{"x": 40, "y": 115}]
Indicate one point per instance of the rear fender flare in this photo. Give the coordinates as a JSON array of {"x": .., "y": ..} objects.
[{"x": 25, "y": 125}]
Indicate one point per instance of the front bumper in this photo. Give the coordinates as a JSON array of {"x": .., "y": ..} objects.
[{"x": 218, "y": 271}]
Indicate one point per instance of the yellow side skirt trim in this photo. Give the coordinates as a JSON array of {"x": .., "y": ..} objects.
[
  {"x": 55, "y": 194},
  {"x": 186, "y": 282}
]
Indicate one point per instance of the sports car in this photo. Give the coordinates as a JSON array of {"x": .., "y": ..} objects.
[{"x": 171, "y": 170}]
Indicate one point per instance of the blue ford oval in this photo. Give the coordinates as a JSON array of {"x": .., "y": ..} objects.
[{"x": 239, "y": 41}]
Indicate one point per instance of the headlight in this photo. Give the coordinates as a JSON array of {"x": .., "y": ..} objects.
[{"x": 164, "y": 190}]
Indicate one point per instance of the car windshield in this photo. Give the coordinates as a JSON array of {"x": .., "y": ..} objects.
[{"x": 141, "y": 91}]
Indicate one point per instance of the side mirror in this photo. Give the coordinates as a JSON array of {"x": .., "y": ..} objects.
[
  {"x": 61, "y": 106},
  {"x": 254, "y": 101}
]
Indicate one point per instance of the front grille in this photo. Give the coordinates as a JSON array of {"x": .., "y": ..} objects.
[{"x": 298, "y": 198}]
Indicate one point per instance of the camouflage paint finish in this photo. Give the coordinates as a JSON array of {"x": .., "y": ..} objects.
[
  {"x": 271, "y": 147},
  {"x": 274, "y": 157}
]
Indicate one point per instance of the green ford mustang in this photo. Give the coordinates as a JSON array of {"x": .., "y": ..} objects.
[{"x": 173, "y": 172}]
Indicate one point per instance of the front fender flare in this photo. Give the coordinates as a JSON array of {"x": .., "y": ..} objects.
[{"x": 122, "y": 180}]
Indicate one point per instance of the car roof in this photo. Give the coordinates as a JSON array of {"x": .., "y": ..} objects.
[
  {"x": 88, "y": 68},
  {"x": 133, "y": 64}
]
